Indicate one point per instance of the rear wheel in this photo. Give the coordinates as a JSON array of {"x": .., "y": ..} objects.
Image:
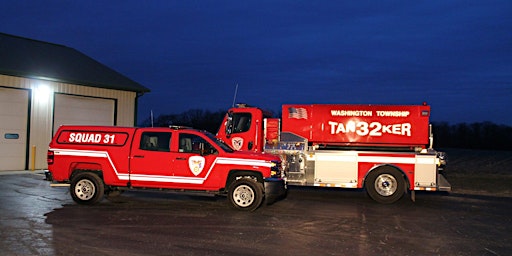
[
  {"x": 246, "y": 194},
  {"x": 385, "y": 185},
  {"x": 87, "y": 188}
]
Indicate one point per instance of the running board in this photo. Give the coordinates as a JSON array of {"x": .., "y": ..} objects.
[{"x": 59, "y": 185}]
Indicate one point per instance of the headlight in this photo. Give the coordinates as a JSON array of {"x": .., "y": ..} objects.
[{"x": 275, "y": 169}]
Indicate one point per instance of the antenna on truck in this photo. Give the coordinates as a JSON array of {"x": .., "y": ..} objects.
[
  {"x": 234, "y": 97},
  {"x": 151, "y": 116}
]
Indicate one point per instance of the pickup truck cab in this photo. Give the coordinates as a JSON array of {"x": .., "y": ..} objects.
[{"x": 101, "y": 160}]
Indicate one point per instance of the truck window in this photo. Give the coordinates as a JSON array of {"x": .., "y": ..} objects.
[
  {"x": 190, "y": 143},
  {"x": 241, "y": 122},
  {"x": 155, "y": 141}
]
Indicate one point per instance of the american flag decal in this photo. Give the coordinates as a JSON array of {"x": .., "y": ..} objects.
[{"x": 297, "y": 113}]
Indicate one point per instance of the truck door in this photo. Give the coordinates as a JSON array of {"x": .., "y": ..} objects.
[
  {"x": 241, "y": 131},
  {"x": 151, "y": 158},
  {"x": 194, "y": 158}
]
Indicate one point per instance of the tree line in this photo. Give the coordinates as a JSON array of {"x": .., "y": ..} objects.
[
  {"x": 196, "y": 118},
  {"x": 482, "y": 135}
]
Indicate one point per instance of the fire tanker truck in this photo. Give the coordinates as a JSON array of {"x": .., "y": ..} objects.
[{"x": 385, "y": 149}]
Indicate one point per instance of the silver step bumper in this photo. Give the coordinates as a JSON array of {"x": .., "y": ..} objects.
[{"x": 443, "y": 184}]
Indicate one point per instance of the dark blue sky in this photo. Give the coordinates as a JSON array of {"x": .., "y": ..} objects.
[{"x": 455, "y": 55}]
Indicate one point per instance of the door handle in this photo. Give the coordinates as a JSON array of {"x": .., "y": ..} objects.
[
  {"x": 138, "y": 156},
  {"x": 181, "y": 158}
]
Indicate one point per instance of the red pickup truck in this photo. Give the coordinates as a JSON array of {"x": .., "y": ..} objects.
[{"x": 102, "y": 160}]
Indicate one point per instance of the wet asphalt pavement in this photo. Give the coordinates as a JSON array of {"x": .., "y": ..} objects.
[{"x": 38, "y": 220}]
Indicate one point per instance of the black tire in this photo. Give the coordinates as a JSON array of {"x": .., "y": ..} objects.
[
  {"x": 245, "y": 194},
  {"x": 87, "y": 188},
  {"x": 385, "y": 185}
]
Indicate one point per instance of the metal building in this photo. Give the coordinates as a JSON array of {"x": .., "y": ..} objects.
[{"x": 45, "y": 85}]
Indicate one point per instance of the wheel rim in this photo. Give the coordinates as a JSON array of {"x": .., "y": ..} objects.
[
  {"x": 243, "y": 196},
  {"x": 386, "y": 185},
  {"x": 85, "y": 189}
]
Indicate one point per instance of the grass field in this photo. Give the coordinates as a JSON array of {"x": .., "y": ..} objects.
[{"x": 479, "y": 171}]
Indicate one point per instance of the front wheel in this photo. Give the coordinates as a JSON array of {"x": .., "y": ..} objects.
[
  {"x": 246, "y": 194},
  {"x": 87, "y": 188},
  {"x": 385, "y": 185}
]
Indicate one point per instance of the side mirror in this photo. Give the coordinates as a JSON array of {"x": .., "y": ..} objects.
[
  {"x": 208, "y": 151},
  {"x": 229, "y": 124}
]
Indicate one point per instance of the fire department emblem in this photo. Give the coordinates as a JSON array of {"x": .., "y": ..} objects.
[
  {"x": 196, "y": 164},
  {"x": 237, "y": 143}
]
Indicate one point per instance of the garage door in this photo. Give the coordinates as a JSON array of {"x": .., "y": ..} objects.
[
  {"x": 79, "y": 110},
  {"x": 13, "y": 128}
]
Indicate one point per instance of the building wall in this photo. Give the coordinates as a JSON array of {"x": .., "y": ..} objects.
[{"x": 41, "y": 110}]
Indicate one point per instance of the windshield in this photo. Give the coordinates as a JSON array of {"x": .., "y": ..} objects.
[{"x": 219, "y": 142}]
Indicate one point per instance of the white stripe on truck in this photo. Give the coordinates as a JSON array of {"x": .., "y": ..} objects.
[{"x": 161, "y": 178}]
